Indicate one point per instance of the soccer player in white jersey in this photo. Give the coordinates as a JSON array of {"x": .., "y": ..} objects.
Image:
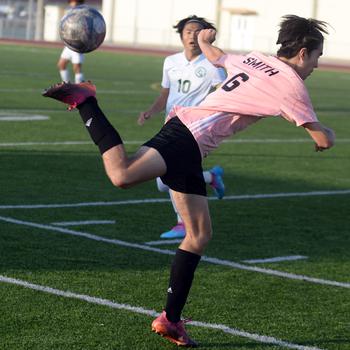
[
  {"x": 69, "y": 55},
  {"x": 258, "y": 86},
  {"x": 188, "y": 77}
]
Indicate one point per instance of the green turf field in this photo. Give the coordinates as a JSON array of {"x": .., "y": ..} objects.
[{"x": 99, "y": 286}]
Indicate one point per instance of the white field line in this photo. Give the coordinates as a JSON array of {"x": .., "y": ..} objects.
[
  {"x": 277, "y": 140},
  {"x": 276, "y": 259},
  {"x": 21, "y": 118},
  {"x": 164, "y": 200},
  {"x": 85, "y": 222},
  {"x": 136, "y": 142},
  {"x": 103, "y": 92},
  {"x": 164, "y": 242},
  {"x": 208, "y": 259},
  {"x": 86, "y": 204},
  {"x": 58, "y": 110},
  {"x": 58, "y": 143},
  {"x": 152, "y": 313}
]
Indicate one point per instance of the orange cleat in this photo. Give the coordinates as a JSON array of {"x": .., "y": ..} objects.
[{"x": 175, "y": 332}]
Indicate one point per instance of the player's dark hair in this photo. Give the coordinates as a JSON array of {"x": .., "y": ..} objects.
[
  {"x": 192, "y": 19},
  {"x": 78, "y": 1},
  {"x": 298, "y": 32}
]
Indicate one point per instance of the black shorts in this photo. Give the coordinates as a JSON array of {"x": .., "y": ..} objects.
[{"x": 182, "y": 156}]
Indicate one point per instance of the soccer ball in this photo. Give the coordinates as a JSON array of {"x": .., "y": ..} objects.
[{"x": 82, "y": 29}]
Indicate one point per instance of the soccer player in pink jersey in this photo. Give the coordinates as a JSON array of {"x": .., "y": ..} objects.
[{"x": 258, "y": 86}]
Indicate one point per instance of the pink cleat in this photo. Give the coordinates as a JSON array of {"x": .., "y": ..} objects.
[
  {"x": 71, "y": 94},
  {"x": 175, "y": 332}
]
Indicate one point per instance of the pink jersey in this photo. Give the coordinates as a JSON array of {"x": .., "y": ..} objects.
[{"x": 257, "y": 86}]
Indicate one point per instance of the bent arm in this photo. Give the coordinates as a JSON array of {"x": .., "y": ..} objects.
[
  {"x": 205, "y": 39},
  {"x": 158, "y": 106},
  {"x": 324, "y": 137}
]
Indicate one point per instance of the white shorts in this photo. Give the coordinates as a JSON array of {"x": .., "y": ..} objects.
[{"x": 70, "y": 55}]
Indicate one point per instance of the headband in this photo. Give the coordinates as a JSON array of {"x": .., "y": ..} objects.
[{"x": 196, "y": 21}]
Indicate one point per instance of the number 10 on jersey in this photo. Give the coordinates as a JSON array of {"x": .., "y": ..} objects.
[{"x": 184, "y": 86}]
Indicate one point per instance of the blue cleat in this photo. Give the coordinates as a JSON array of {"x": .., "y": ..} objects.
[
  {"x": 217, "y": 183},
  {"x": 178, "y": 231}
]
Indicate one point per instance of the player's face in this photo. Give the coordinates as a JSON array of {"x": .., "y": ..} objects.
[
  {"x": 73, "y": 3},
  {"x": 189, "y": 36},
  {"x": 309, "y": 62}
]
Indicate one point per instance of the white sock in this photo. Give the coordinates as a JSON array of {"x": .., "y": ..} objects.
[
  {"x": 79, "y": 77},
  {"x": 179, "y": 220},
  {"x": 161, "y": 186},
  {"x": 208, "y": 177},
  {"x": 64, "y": 75}
]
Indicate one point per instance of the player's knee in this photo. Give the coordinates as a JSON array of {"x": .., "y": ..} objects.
[
  {"x": 61, "y": 65},
  {"x": 76, "y": 68},
  {"x": 205, "y": 238},
  {"x": 200, "y": 240},
  {"x": 120, "y": 180}
]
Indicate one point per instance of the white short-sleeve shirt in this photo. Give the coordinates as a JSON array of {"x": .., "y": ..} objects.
[{"x": 189, "y": 81}]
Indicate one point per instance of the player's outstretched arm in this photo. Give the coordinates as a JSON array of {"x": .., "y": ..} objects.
[
  {"x": 324, "y": 137},
  {"x": 158, "y": 106},
  {"x": 205, "y": 39}
]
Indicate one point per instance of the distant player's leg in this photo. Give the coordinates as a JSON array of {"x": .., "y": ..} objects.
[
  {"x": 78, "y": 74},
  {"x": 178, "y": 231},
  {"x": 62, "y": 67},
  {"x": 213, "y": 177},
  {"x": 77, "y": 62},
  {"x": 195, "y": 213},
  {"x": 62, "y": 64}
]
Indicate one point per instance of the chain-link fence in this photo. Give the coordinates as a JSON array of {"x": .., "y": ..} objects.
[
  {"x": 17, "y": 19},
  {"x": 24, "y": 19}
]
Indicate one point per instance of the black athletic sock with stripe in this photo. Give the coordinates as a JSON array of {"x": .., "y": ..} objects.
[
  {"x": 181, "y": 277},
  {"x": 100, "y": 129}
]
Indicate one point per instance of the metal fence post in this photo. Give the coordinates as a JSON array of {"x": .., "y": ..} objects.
[{"x": 39, "y": 21}]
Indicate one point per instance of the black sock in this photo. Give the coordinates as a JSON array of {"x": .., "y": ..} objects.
[
  {"x": 100, "y": 129},
  {"x": 181, "y": 277}
]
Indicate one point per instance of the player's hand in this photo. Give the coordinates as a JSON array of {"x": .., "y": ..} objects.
[
  {"x": 143, "y": 117},
  {"x": 330, "y": 134},
  {"x": 331, "y": 137},
  {"x": 207, "y": 35}
]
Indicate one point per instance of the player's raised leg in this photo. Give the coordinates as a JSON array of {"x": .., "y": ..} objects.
[{"x": 122, "y": 170}]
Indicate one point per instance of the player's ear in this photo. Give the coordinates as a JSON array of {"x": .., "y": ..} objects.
[{"x": 302, "y": 54}]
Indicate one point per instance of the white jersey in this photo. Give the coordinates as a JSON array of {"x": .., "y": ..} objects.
[{"x": 189, "y": 81}]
